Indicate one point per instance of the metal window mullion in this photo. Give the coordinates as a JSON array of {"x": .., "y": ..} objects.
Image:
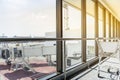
[
  {"x": 104, "y": 22},
  {"x": 83, "y": 24},
  {"x": 118, "y": 29},
  {"x": 96, "y": 26},
  {"x": 113, "y": 28},
  {"x": 59, "y": 46}
]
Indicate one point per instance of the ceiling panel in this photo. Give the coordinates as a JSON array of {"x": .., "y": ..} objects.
[
  {"x": 114, "y": 6},
  {"x": 76, "y": 3}
]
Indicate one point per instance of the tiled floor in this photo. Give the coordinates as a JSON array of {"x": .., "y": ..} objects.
[{"x": 91, "y": 73}]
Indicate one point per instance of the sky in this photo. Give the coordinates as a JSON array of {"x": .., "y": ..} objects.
[{"x": 27, "y": 17}]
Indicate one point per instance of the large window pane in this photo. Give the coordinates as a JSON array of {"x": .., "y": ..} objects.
[
  {"x": 90, "y": 26},
  {"x": 100, "y": 21},
  {"x": 111, "y": 26},
  {"x": 28, "y": 18},
  {"x": 90, "y": 49},
  {"x": 107, "y": 24},
  {"x": 90, "y": 19},
  {"x": 117, "y": 28},
  {"x": 72, "y": 19},
  {"x": 114, "y": 27},
  {"x": 72, "y": 29},
  {"x": 29, "y": 60},
  {"x": 73, "y": 53}
]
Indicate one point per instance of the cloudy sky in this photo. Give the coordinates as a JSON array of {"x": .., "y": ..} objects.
[{"x": 27, "y": 17}]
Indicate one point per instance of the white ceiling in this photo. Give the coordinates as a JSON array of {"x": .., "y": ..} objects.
[
  {"x": 113, "y": 5},
  {"x": 76, "y": 3}
]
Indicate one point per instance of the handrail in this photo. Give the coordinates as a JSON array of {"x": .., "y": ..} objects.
[
  {"x": 41, "y": 39},
  {"x": 107, "y": 38}
]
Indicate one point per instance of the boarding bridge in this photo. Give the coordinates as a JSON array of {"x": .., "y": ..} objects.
[{"x": 17, "y": 55}]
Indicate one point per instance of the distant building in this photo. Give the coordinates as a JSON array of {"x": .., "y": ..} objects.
[{"x": 3, "y": 36}]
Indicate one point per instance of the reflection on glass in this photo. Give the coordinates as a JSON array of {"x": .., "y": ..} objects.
[
  {"x": 107, "y": 30},
  {"x": 111, "y": 26},
  {"x": 114, "y": 27},
  {"x": 117, "y": 28},
  {"x": 90, "y": 27},
  {"x": 72, "y": 29},
  {"x": 71, "y": 20},
  {"x": 100, "y": 21},
  {"x": 90, "y": 24},
  {"x": 107, "y": 24},
  {"x": 73, "y": 52},
  {"x": 90, "y": 49}
]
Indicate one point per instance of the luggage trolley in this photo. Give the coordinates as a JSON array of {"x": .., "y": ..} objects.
[{"x": 106, "y": 48}]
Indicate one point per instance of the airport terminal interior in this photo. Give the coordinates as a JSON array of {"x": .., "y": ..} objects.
[{"x": 59, "y": 40}]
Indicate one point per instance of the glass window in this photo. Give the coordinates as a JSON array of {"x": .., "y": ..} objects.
[
  {"x": 73, "y": 53},
  {"x": 90, "y": 26},
  {"x": 107, "y": 24},
  {"x": 111, "y": 26},
  {"x": 72, "y": 29},
  {"x": 28, "y": 18},
  {"x": 100, "y": 21},
  {"x": 90, "y": 49},
  {"x": 115, "y": 27},
  {"x": 71, "y": 19},
  {"x": 90, "y": 22}
]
